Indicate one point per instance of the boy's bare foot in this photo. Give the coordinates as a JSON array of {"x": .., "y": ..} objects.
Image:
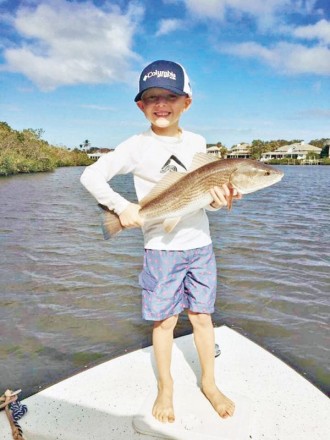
[
  {"x": 163, "y": 407},
  {"x": 222, "y": 405}
]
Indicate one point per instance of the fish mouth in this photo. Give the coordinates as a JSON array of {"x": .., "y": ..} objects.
[{"x": 278, "y": 176}]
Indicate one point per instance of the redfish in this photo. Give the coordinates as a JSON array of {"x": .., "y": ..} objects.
[{"x": 179, "y": 194}]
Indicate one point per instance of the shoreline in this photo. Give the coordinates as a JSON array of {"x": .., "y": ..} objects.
[{"x": 2, "y": 175}]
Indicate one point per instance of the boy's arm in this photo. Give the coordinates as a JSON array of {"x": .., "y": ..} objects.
[{"x": 96, "y": 176}]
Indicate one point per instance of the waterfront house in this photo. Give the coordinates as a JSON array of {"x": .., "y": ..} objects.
[
  {"x": 214, "y": 150},
  {"x": 240, "y": 151},
  {"x": 98, "y": 153},
  {"x": 297, "y": 151}
]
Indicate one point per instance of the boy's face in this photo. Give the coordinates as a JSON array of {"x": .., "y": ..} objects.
[{"x": 163, "y": 108}]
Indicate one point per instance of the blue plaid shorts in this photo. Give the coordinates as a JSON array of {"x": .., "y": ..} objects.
[{"x": 175, "y": 280}]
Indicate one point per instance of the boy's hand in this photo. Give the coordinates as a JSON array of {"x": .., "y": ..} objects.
[
  {"x": 221, "y": 196},
  {"x": 130, "y": 217}
]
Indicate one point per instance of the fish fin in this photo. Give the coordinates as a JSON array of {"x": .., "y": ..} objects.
[
  {"x": 201, "y": 159},
  {"x": 170, "y": 223},
  {"x": 162, "y": 186},
  {"x": 230, "y": 198},
  {"x": 110, "y": 222}
]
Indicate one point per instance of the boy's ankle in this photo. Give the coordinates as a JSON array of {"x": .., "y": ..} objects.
[
  {"x": 165, "y": 383},
  {"x": 208, "y": 382}
]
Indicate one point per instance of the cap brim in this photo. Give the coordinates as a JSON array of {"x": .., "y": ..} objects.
[{"x": 171, "y": 89}]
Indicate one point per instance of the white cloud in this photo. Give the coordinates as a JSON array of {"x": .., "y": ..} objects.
[
  {"x": 318, "y": 31},
  {"x": 315, "y": 113},
  {"x": 269, "y": 15},
  {"x": 210, "y": 9},
  {"x": 262, "y": 10},
  {"x": 98, "y": 107},
  {"x": 71, "y": 43},
  {"x": 169, "y": 25},
  {"x": 286, "y": 57},
  {"x": 289, "y": 55},
  {"x": 10, "y": 108},
  {"x": 216, "y": 9}
]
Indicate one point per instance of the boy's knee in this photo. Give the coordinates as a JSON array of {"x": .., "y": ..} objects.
[
  {"x": 168, "y": 323},
  {"x": 200, "y": 319}
]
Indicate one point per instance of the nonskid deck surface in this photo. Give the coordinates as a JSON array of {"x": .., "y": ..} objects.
[{"x": 273, "y": 402}]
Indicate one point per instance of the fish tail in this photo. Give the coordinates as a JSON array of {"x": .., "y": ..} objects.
[{"x": 110, "y": 222}]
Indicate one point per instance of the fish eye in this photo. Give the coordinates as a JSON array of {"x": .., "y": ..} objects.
[{"x": 267, "y": 173}]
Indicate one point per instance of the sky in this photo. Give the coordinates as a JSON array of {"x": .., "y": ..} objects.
[{"x": 259, "y": 69}]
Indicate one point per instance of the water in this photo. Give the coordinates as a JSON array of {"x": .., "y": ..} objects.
[{"x": 70, "y": 300}]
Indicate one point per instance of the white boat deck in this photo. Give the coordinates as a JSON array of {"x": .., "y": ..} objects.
[{"x": 273, "y": 402}]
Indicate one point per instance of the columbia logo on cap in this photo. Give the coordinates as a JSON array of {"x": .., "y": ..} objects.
[{"x": 159, "y": 74}]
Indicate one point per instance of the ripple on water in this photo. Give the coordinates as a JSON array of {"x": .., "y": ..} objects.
[{"x": 69, "y": 297}]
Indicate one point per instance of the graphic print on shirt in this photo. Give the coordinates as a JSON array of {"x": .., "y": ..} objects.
[{"x": 173, "y": 164}]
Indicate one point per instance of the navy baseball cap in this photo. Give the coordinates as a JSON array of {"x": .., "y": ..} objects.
[{"x": 164, "y": 75}]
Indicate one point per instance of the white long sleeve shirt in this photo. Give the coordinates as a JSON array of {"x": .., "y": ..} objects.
[{"x": 148, "y": 157}]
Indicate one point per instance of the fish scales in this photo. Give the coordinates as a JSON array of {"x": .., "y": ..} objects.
[{"x": 189, "y": 188}]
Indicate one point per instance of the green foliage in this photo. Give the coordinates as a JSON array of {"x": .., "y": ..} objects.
[
  {"x": 325, "y": 152},
  {"x": 319, "y": 142},
  {"x": 258, "y": 147},
  {"x": 312, "y": 155},
  {"x": 285, "y": 161},
  {"x": 25, "y": 152},
  {"x": 288, "y": 161}
]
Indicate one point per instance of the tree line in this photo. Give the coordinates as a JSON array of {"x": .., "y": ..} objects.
[{"x": 25, "y": 152}]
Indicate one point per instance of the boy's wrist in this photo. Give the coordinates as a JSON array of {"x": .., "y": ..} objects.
[{"x": 121, "y": 206}]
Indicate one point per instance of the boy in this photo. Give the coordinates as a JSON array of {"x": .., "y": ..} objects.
[{"x": 173, "y": 275}]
